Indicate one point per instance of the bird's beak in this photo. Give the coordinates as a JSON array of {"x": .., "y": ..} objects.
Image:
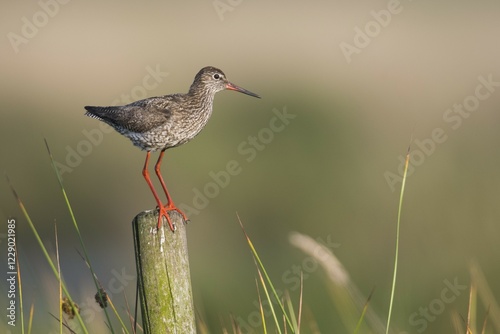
[{"x": 231, "y": 86}]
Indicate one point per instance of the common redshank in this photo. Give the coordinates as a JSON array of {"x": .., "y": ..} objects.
[{"x": 163, "y": 122}]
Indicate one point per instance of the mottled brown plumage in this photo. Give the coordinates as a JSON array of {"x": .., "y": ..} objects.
[{"x": 162, "y": 122}]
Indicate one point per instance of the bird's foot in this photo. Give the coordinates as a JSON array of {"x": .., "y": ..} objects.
[
  {"x": 163, "y": 212},
  {"x": 172, "y": 207}
]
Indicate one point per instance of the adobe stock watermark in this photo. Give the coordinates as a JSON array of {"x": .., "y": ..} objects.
[
  {"x": 453, "y": 118},
  {"x": 364, "y": 36},
  {"x": 94, "y": 137},
  {"x": 247, "y": 150},
  {"x": 291, "y": 281},
  {"x": 426, "y": 315},
  {"x": 223, "y": 6},
  {"x": 31, "y": 26},
  {"x": 11, "y": 273}
]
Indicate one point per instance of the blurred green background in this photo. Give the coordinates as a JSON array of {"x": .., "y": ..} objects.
[{"x": 325, "y": 174}]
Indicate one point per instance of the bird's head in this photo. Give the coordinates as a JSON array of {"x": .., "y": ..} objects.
[{"x": 213, "y": 80}]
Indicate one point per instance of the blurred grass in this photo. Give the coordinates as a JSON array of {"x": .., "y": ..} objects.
[{"x": 49, "y": 260}]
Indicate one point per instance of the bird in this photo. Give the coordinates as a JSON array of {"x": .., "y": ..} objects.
[{"x": 168, "y": 121}]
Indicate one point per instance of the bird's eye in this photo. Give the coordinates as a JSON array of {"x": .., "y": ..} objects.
[{"x": 216, "y": 76}]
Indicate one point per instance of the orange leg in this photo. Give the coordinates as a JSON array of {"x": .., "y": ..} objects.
[
  {"x": 163, "y": 212},
  {"x": 170, "y": 204}
]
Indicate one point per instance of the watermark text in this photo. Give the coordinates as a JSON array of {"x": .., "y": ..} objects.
[{"x": 11, "y": 272}]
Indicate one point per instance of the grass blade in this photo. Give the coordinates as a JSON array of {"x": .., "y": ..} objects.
[
  {"x": 264, "y": 287},
  {"x": 44, "y": 251},
  {"x": 358, "y": 326},
  {"x": 65, "y": 325},
  {"x": 30, "y": 321},
  {"x": 261, "y": 309},
  {"x": 403, "y": 183},
  {"x": 20, "y": 290},
  {"x": 290, "y": 309},
  {"x": 75, "y": 224},
  {"x": 483, "y": 330},
  {"x": 268, "y": 279},
  {"x": 60, "y": 281},
  {"x": 472, "y": 309},
  {"x": 345, "y": 294},
  {"x": 486, "y": 295},
  {"x": 299, "y": 316},
  {"x": 103, "y": 296}
]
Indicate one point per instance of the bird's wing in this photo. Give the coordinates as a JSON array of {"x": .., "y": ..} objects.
[{"x": 139, "y": 116}]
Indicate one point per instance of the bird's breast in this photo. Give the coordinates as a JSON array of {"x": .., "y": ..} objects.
[{"x": 171, "y": 134}]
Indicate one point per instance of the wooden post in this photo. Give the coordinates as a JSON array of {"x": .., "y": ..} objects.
[{"x": 163, "y": 275}]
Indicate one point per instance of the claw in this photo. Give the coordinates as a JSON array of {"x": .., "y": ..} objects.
[
  {"x": 172, "y": 207},
  {"x": 163, "y": 212}
]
